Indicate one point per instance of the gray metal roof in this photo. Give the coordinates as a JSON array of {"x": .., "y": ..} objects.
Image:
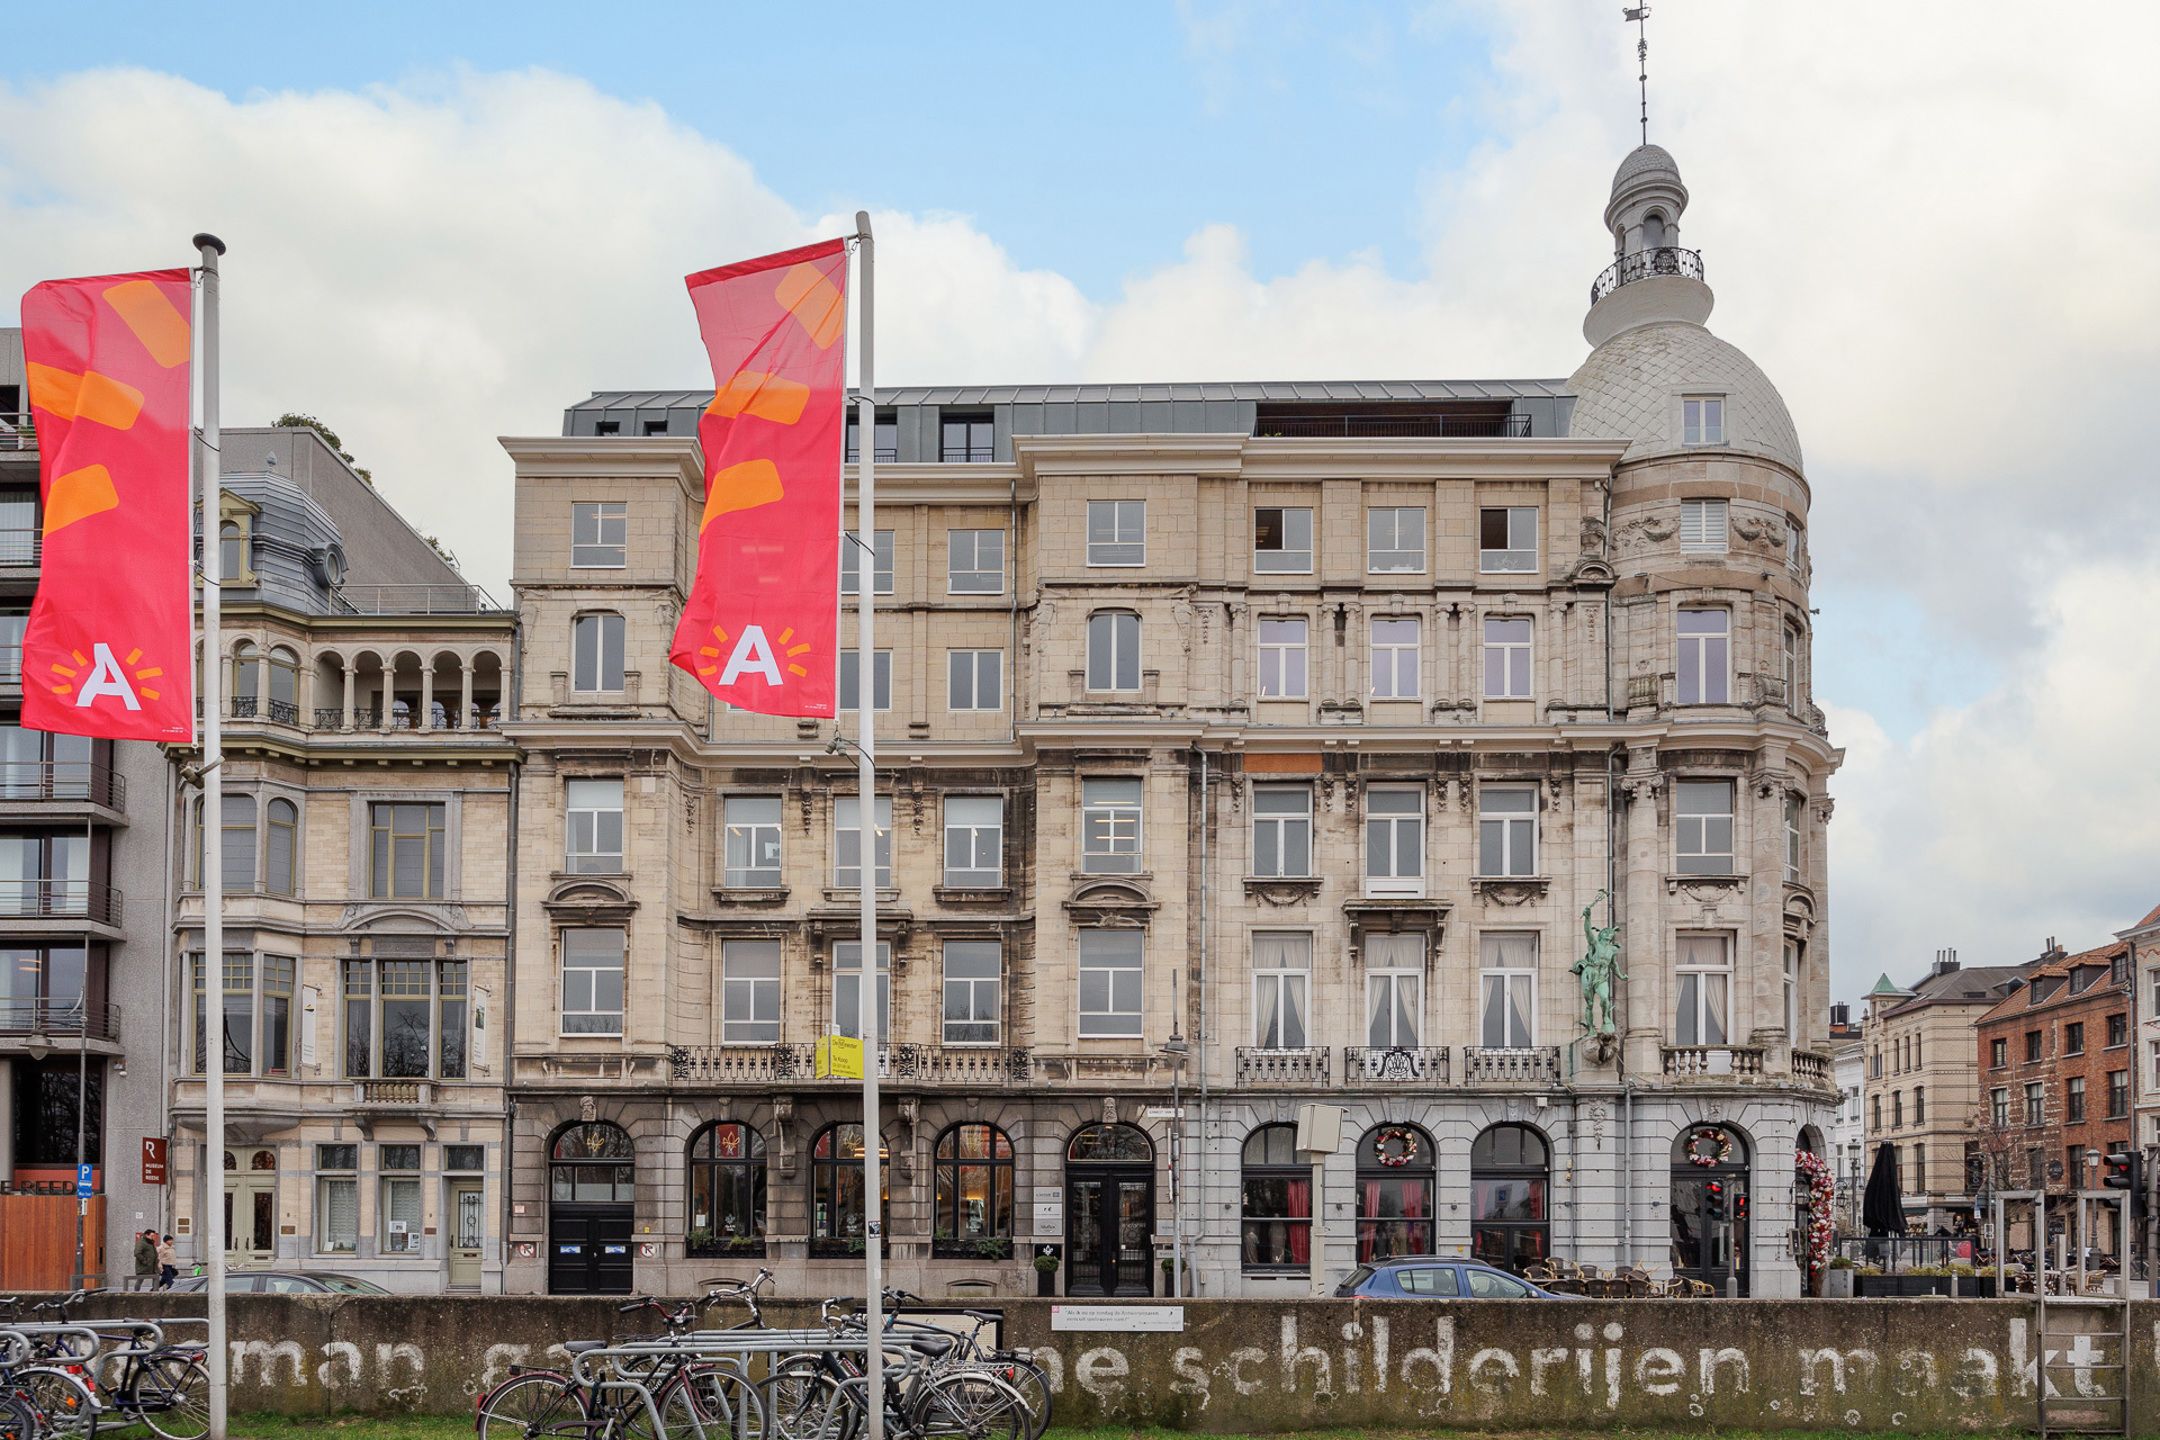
[{"x": 1322, "y": 391}]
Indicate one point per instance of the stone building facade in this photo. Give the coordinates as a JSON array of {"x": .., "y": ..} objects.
[{"x": 1247, "y": 745}]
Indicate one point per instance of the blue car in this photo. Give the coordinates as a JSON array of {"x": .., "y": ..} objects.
[{"x": 1428, "y": 1277}]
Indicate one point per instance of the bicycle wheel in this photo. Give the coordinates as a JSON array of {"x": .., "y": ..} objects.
[
  {"x": 726, "y": 1403},
  {"x": 17, "y": 1420},
  {"x": 527, "y": 1406},
  {"x": 172, "y": 1397},
  {"x": 971, "y": 1405},
  {"x": 66, "y": 1410},
  {"x": 1034, "y": 1387},
  {"x": 804, "y": 1402}
]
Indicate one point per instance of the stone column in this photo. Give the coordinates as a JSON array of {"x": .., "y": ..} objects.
[
  {"x": 465, "y": 704},
  {"x": 425, "y": 720},
  {"x": 386, "y": 699},
  {"x": 1240, "y": 638},
  {"x": 346, "y": 662}
]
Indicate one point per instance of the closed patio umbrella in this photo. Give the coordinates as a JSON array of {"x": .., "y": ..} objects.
[{"x": 1882, "y": 1206}]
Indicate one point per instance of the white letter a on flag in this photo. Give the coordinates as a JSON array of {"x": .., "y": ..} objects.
[
  {"x": 753, "y": 652},
  {"x": 106, "y": 678}
]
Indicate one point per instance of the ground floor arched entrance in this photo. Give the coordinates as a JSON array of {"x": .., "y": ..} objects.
[
  {"x": 1710, "y": 1206},
  {"x": 1109, "y": 1211}
]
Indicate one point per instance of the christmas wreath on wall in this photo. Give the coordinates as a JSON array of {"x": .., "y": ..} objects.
[
  {"x": 1709, "y": 1146},
  {"x": 1814, "y": 1172},
  {"x": 1395, "y": 1146}
]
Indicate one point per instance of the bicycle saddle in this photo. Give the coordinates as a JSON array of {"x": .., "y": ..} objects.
[
  {"x": 579, "y": 1347},
  {"x": 931, "y": 1346}
]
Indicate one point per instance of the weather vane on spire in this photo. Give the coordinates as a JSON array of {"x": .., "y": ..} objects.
[{"x": 1639, "y": 14}]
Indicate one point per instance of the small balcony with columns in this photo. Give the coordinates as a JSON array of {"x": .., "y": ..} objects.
[{"x": 387, "y": 678}]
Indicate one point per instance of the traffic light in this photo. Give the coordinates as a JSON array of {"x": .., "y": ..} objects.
[{"x": 2123, "y": 1170}]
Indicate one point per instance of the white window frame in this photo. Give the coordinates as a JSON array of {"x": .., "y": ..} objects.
[
  {"x": 1693, "y": 1015},
  {"x": 1387, "y": 976},
  {"x": 1386, "y": 522},
  {"x": 591, "y": 973},
  {"x": 1284, "y": 662},
  {"x": 328, "y": 1242},
  {"x": 1792, "y": 992},
  {"x": 881, "y": 667},
  {"x": 1705, "y": 527},
  {"x": 750, "y": 992},
  {"x": 589, "y": 657},
  {"x": 1116, "y": 534},
  {"x": 980, "y": 997},
  {"x": 1793, "y": 540},
  {"x": 1106, "y": 817},
  {"x": 1287, "y": 558},
  {"x": 881, "y": 574},
  {"x": 1103, "y": 953},
  {"x": 964, "y": 825},
  {"x": 1281, "y": 823},
  {"x": 1114, "y": 636},
  {"x": 970, "y": 578},
  {"x": 1702, "y": 420},
  {"x": 1792, "y": 838},
  {"x": 847, "y": 821},
  {"x": 591, "y": 521},
  {"x": 1694, "y": 828},
  {"x": 1520, "y": 555},
  {"x": 1516, "y": 985},
  {"x": 740, "y": 823},
  {"x": 1514, "y": 829},
  {"x": 1792, "y": 668},
  {"x": 1395, "y": 840},
  {"x": 1386, "y": 656},
  {"x": 974, "y": 680},
  {"x": 847, "y": 990},
  {"x": 1277, "y": 988},
  {"x": 1509, "y": 642},
  {"x": 585, "y": 825},
  {"x": 1705, "y": 656}
]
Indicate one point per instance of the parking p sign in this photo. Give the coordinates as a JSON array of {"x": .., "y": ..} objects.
[{"x": 83, "y": 1187}]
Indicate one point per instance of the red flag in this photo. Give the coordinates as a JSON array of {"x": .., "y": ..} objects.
[
  {"x": 107, "y": 651},
  {"x": 761, "y": 627}
]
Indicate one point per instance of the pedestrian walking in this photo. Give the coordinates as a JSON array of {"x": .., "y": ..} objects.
[
  {"x": 146, "y": 1259},
  {"x": 168, "y": 1263}
]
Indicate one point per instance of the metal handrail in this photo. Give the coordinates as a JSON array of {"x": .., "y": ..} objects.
[
  {"x": 413, "y": 600},
  {"x": 19, "y": 544},
  {"x": 1357, "y": 426},
  {"x": 63, "y": 780},
  {"x": 1646, "y": 265},
  {"x": 30, "y": 1015},
  {"x": 60, "y": 900},
  {"x": 18, "y": 430}
]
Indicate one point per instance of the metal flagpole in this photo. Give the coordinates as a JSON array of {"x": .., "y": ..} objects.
[
  {"x": 212, "y": 1195},
  {"x": 82, "y": 1059},
  {"x": 866, "y": 768}
]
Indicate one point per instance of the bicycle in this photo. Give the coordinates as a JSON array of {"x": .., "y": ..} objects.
[
  {"x": 674, "y": 1393},
  {"x": 819, "y": 1395},
  {"x": 163, "y": 1386}
]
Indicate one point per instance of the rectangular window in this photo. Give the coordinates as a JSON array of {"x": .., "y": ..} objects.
[
  {"x": 1998, "y": 1054},
  {"x": 1999, "y": 1108},
  {"x": 1507, "y": 539},
  {"x": 458, "y": 1158},
  {"x": 1792, "y": 838},
  {"x": 1117, "y": 532},
  {"x": 974, "y": 679},
  {"x": 1702, "y": 420},
  {"x": 1282, "y": 989},
  {"x": 337, "y": 1203},
  {"x": 1113, "y": 651},
  {"x": 851, "y": 679},
  {"x": 1395, "y": 840},
  {"x": 975, "y": 562},
  {"x": 752, "y": 858},
  {"x": 405, "y": 1019},
  {"x": 974, "y": 841},
  {"x": 2118, "y": 1083},
  {"x": 966, "y": 439},
  {"x": 847, "y": 989},
  {"x": 847, "y": 842},
  {"x": 1110, "y": 983},
  {"x": 1703, "y": 826},
  {"x": 1507, "y": 830},
  {"x": 2032, "y": 1047},
  {"x": 2036, "y": 1103},
  {"x": 1792, "y": 992},
  {"x": 2074, "y": 1100},
  {"x": 398, "y": 1207},
  {"x": 1283, "y": 540},
  {"x": 1507, "y": 979},
  {"x": 594, "y": 814},
  {"x": 851, "y": 557},
  {"x": 1704, "y": 986},
  {"x": 884, "y": 437},
  {"x": 599, "y": 534},
  {"x": 1792, "y": 669},
  {"x": 2074, "y": 1038},
  {"x": 750, "y": 992},
  {"x": 406, "y": 851},
  {"x": 1396, "y": 664},
  {"x": 277, "y": 1014},
  {"x": 1282, "y": 659},
  {"x": 592, "y": 988},
  {"x": 972, "y": 971},
  {"x": 1395, "y": 540},
  {"x": 1507, "y": 659},
  {"x": 1110, "y": 826},
  {"x": 1394, "y": 990},
  {"x": 1702, "y": 526},
  {"x": 2118, "y": 1030},
  {"x": 597, "y": 658},
  {"x": 1282, "y": 830},
  {"x": 1705, "y": 657}
]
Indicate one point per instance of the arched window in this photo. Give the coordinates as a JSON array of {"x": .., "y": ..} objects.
[
  {"x": 727, "y": 1191},
  {"x": 836, "y": 1192},
  {"x": 1653, "y": 231},
  {"x": 1510, "y": 1175},
  {"x": 284, "y": 686},
  {"x": 593, "y": 1162},
  {"x": 1110, "y": 1143},
  {"x": 236, "y": 844},
  {"x": 974, "y": 1174},
  {"x": 1710, "y": 1205},
  {"x": 246, "y": 680},
  {"x": 232, "y": 551},
  {"x": 1277, "y": 1216},
  {"x": 281, "y": 846},
  {"x": 1395, "y": 1192}
]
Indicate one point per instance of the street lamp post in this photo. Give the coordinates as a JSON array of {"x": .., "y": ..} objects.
[{"x": 1175, "y": 1049}]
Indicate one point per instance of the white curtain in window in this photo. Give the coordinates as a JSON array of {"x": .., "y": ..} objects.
[
  {"x": 1282, "y": 966},
  {"x": 340, "y": 1219}
]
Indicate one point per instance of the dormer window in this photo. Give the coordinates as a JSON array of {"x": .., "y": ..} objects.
[{"x": 1702, "y": 420}]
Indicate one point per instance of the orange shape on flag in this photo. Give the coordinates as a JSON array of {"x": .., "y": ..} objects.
[
  {"x": 143, "y": 308},
  {"x": 93, "y": 397},
  {"x": 768, "y": 397},
  {"x": 741, "y": 487},
  {"x": 78, "y": 495},
  {"x": 815, "y": 302}
]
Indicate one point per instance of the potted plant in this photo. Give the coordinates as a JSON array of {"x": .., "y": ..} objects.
[
  {"x": 1046, "y": 1268},
  {"x": 1838, "y": 1279}
]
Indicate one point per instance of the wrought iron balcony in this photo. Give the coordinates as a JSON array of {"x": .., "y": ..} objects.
[
  {"x": 1395, "y": 1064},
  {"x": 1718, "y": 1062},
  {"x": 1645, "y": 265},
  {"x": 413, "y": 600},
  {"x": 1284, "y": 1065},
  {"x": 59, "y": 900},
  {"x": 68, "y": 1019},
  {"x": 1511, "y": 1065},
  {"x": 63, "y": 780}
]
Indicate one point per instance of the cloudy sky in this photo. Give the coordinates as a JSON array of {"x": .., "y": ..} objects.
[{"x": 1936, "y": 226}]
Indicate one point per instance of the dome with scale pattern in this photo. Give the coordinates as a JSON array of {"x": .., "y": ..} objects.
[{"x": 1632, "y": 385}]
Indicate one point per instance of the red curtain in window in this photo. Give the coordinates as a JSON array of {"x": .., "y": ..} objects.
[{"x": 1300, "y": 1197}]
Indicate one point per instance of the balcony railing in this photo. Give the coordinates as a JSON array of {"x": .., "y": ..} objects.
[
  {"x": 988, "y": 1067},
  {"x": 1395, "y": 1064},
  {"x": 1511, "y": 1065},
  {"x": 20, "y": 546},
  {"x": 1292, "y": 1065},
  {"x": 413, "y": 600},
  {"x": 1381, "y": 427},
  {"x": 18, "y": 431},
  {"x": 65, "y": 1018},
  {"x": 367, "y": 717},
  {"x": 59, "y": 900},
  {"x": 63, "y": 780},
  {"x": 1810, "y": 1068},
  {"x": 11, "y": 666},
  {"x": 393, "y": 1093},
  {"x": 1691, "y": 1062},
  {"x": 1645, "y": 265}
]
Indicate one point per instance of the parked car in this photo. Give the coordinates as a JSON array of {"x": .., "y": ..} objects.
[
  {"x": 1429, "y": 1277},
  {"x": 284, "y": 1282}
]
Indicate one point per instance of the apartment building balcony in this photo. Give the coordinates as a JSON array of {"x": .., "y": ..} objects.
[
  {"x": 18, "y": 431},
  {"x": 11, "y": 668},
  {"x": 47, "y": 905},
  {"x": 37, "y": 788},
  {"x": 1511, "y": 1065},
  {"x": 1391, "y": 422},
  {"x": 940, "y": 1066},
  {"x": 365, "y": 719},
  {"x": 1812, "y": 1068},
  {"x": 1646, "y": 265},
  {"x": 413, "y": 600},
  {"x": 22, "y": 548},
  {"x": 1285, "y": 1065},
  {"x": 1395, "y": 1064},
  {"x": 30, "y": 1025},
  {"x": 412, "y": 1102},
  {"x": 1712, "y": 1062}
]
